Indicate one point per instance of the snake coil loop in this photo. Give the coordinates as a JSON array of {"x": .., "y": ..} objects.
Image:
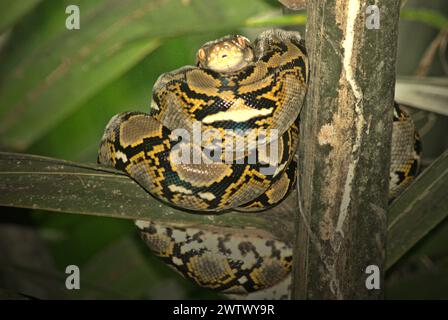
[{"x": 237, "y": 90}]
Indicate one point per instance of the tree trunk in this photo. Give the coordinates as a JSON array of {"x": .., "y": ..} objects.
[{"x": 345, "y": 150}]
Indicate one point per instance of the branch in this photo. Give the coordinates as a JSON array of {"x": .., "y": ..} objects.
[{"x": 345, "y": 150}]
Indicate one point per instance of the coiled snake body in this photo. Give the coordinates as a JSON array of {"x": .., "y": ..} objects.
[{"x": 244, "y": 101}]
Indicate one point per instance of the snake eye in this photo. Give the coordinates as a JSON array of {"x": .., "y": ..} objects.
[
  {"x": 242, "y": 41},
  {"x": 201, "y": 54}
]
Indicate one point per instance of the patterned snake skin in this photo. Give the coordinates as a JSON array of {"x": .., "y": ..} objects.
[{"x": 238, "y": 90}]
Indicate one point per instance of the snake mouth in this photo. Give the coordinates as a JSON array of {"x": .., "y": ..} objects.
[{"x": 228, "y": 54}]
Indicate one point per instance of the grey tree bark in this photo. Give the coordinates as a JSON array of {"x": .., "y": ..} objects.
[{"x": 345, "y": 149}]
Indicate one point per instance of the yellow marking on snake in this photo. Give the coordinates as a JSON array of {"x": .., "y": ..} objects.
[{"x": 236, "y": 115}]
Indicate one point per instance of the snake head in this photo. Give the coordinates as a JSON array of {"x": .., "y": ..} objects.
[{"x": 227, "y": 54}]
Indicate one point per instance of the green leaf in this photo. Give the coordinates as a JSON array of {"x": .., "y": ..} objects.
[
  {"x": 44, "y": 25},
  {"x": 429, "y": 94},
  {"x": 429, "y": 17},
  {"x": 285, "y": 20},
  {"x": 11, "y": 11},
  {"x": 47, "y": 84},
  {"x": 418, "y": 210},
  {"x": 62, "y": 186}
]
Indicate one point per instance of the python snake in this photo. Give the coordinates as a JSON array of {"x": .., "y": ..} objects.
[{"x": 242, "y": 99}]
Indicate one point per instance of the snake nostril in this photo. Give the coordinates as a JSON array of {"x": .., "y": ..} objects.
[{"x": 223, "y": 56}]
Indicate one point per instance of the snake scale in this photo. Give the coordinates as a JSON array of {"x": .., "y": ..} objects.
[{"x": 243, "y": 99}]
